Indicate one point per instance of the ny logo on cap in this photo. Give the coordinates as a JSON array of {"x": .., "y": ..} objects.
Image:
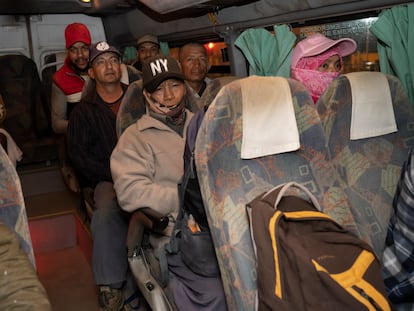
[{"x": 158, "y": 66}]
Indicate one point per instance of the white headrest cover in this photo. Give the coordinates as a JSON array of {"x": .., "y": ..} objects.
[
  {"x": 372, "y": 109},
  {"x": 269, "y": 122}
]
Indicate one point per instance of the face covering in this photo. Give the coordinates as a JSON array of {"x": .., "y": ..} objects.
[
  {"x": 157, "y": 107},
  {"x": 306, "y": 71}
]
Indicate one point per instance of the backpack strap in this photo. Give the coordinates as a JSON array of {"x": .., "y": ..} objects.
[{"x": 285, "y": 187}]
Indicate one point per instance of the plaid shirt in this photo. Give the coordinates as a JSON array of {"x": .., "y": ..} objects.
[{"x": 398, "y": 257}]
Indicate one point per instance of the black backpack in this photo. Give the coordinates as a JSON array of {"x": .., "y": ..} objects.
[{"x": 307, "y": 261}]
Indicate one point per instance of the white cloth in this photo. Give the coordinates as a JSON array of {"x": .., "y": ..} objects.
[
  {"x": 269, "y": 122},
  {"x": 13, "y": 151},
  {"x": 372, "y": 109}
]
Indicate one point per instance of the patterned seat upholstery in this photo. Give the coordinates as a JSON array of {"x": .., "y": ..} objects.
[
  {"x": 132, "y": 107},
  {"x": 228, "y": 182},
  {"x": 369, "y": 168},
  {"x": 12, "y": 207}
]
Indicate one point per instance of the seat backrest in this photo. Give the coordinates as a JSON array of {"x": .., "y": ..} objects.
[
  {"x": 368, "y": 167},
  {"x": 52, "y": 63},
  {"x": 12, "y": 207},
  {"x": 28, "y": 117},
  {"x": 228, "y": 182},
  {"x": 132, "y": 107}
]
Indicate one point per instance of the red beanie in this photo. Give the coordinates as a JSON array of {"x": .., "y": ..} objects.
[{"x": 77, "y": 32}]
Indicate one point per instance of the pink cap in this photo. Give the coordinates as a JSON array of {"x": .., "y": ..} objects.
[{"x": 318, "y": 43}]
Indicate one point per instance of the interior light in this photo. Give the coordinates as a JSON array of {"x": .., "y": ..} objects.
[
  {"x": 210, "y": 46},
  {"x": 85, "y": 1}
]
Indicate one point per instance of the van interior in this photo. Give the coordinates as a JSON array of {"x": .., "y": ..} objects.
[{"x": 32, "y": 48}]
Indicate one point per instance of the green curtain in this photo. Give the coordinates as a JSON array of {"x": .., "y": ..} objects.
[
  {"x": 267, "y": 54},
  {"x": 165, "y": 49},
  {"x": 396, "y": 44}
]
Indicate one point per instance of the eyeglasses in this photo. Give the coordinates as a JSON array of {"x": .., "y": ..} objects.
[{"x": 100, "y": 62}]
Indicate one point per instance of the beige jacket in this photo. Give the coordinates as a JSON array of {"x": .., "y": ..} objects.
[{"x": 147, "y": 166}]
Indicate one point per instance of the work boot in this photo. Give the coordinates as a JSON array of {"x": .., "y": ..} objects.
[{"x": 110, "y": 299}]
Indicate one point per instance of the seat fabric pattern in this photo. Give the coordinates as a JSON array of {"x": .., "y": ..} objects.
[
  {"x": 228, "y": 183},
  {"x": 12, "y": 207},
  {"x": 369, "y": 169}
]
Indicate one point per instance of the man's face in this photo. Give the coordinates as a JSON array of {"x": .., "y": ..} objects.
[
  {"x": 106, "y": 68},
  {"x": 169, "y": 95},
  {"x": 194, "y": 63},
  {"x": 147, "y": 50},
  {"x": 78, "y": 54}
]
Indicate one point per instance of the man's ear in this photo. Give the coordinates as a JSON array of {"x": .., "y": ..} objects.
[{"x": 90, "y": 73}]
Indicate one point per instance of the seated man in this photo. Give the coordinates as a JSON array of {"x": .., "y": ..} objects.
[
  {"x": 147, "y": 162},
  {"x": 91, "y": 138},
  {"x": 67, "y": 86},
  {"x": 398, "y": 256},
  {"x": 147, "y": 47},
  {"x": 195, "y": 66},
  {"x": 196, "y": 281}
]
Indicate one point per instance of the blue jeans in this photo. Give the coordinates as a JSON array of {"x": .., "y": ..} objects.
[{"x": 109, "y": 226}]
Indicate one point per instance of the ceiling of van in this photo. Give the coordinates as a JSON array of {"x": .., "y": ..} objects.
[
  {"x": 196, "y": 6},
  {"x": 165, "y": 10},
  {"x": 109, "y": 7}
]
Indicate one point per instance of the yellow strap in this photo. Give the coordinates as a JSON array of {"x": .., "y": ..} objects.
[
  {"x": 272, "y": 231},
  {"x": 354, "y": 276},
  {"x": 306, "y": 214}
]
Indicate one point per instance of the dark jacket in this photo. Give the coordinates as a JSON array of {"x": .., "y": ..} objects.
[{"x": 91, "y": 138}]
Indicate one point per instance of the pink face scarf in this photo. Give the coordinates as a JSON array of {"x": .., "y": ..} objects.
[{"x": 306, "y": 71}]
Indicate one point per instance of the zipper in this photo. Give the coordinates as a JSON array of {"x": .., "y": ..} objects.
[{"x": 367, "y": 297}]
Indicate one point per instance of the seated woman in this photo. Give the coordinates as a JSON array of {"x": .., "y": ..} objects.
[{"x": 317, "y": 60}]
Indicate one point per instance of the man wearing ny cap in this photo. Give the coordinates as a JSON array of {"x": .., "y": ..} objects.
[
  {"x": 147, "y": 46},
  {"x": 147, "y": 162},
  {"x": 91, "y": 138}
]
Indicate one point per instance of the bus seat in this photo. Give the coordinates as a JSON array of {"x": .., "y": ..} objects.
[
  {"x": 132, "y": 107},
  {"x": 231, "y": 175},
  {"x": 12, "y": 207},
  {"x": 212, "y": 90},
  {"x": 369, "y": 127},
  {"x": 52, "y": 63},
  {"x": 28, "y": 118}
]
